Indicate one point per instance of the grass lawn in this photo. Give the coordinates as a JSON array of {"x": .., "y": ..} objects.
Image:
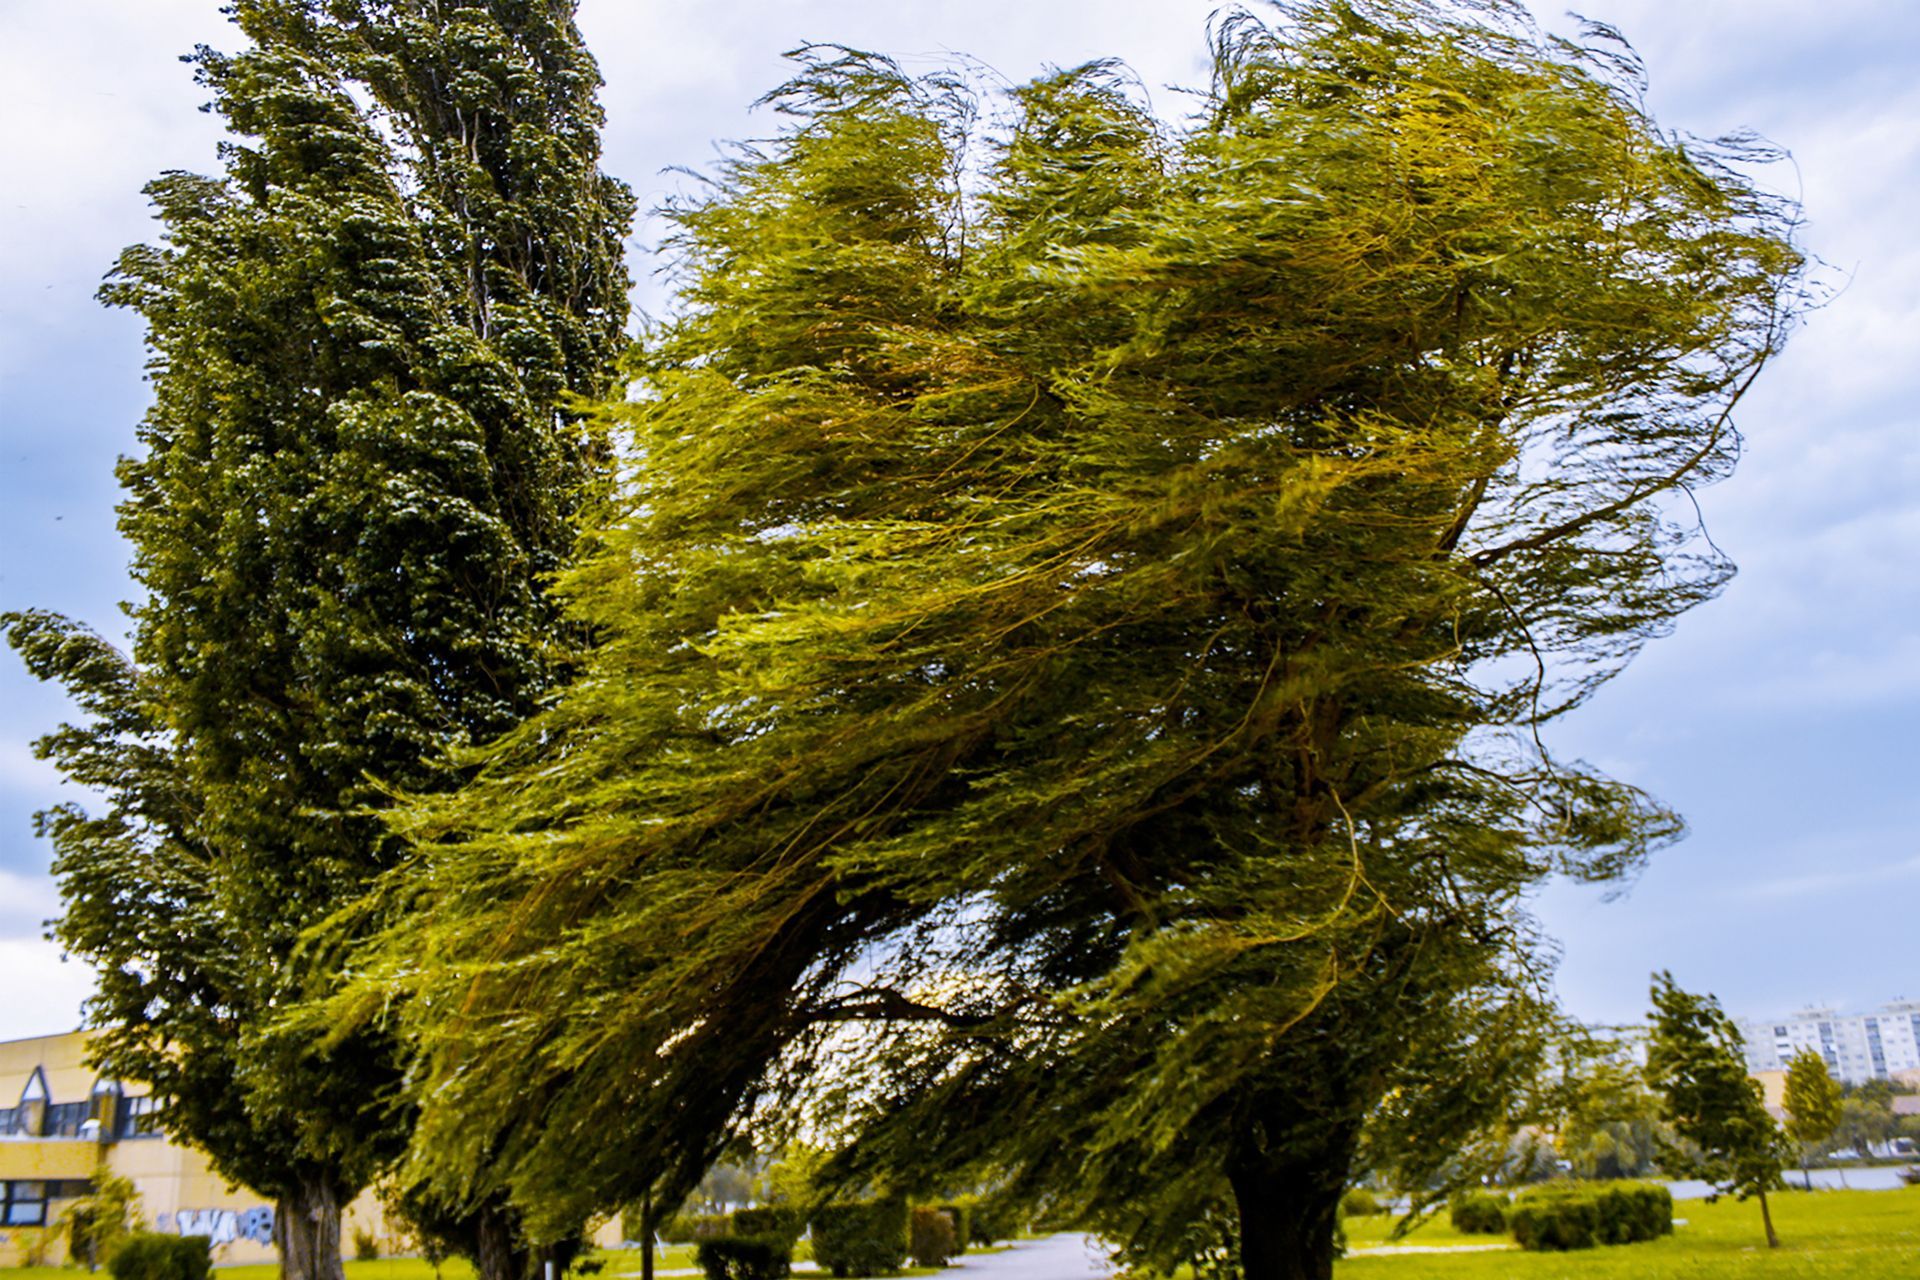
[{"x": 1824, "y": 1235}]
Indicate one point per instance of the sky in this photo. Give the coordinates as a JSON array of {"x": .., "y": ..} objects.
[{"x": 1779, "y": 719}]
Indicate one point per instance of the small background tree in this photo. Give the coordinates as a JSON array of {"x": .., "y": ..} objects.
[
  {"x": 1695, "y": 1063},
  {"x": 106, "y": 1216},
  {"x": 1813, "y": 1105}
]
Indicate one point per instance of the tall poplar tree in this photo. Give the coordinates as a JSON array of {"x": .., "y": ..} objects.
[
  {"x": 1073, "y": 653},
  {"x": 357, "y": 470}
]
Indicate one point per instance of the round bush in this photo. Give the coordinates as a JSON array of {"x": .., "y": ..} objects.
[
  {"x": 767, "y": 1257},
  {"x": 1478, "y": 1213},
  {"x": 1360, "y": 1203}
]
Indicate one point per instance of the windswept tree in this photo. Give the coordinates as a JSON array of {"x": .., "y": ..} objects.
[
  {"x": 355, "y": 473},
  {"x": 1812, "y": 1103},
  {"x": 1695, "y": 1062},
  {"x": 1078, "y": 627}
]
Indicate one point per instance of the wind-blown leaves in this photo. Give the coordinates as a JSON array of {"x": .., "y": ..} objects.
[{"x": 1088, "y": 612}]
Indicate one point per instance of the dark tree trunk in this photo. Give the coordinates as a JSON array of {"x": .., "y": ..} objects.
[
  {"x": 646, "y": 1236},
  {"x": 306, "y": 1230},
  {"x": 498, "y": 1253},
  {"x": 1288, "y": 1216}
]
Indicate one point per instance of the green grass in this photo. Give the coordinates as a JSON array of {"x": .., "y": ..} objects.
[{"x": 1825, "y": 1235}]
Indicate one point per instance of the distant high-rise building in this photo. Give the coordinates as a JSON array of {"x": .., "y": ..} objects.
[{"x": 1858, "y": 1047}]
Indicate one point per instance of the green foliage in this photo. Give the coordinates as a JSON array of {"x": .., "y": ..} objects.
[
  {"x": 1086, "y": 606},
  {"x": 992, "y": 1218},
  {"x": 861, "y": 1238},
  {"x": 745, "y": 1257},
  {"x": 1812, "y": 1101},
  {"x": 1566, "y": 1217},
  {"x": 366, "y": 1245},
  {"x": 98, "y": 1222},
  {"x": 1359, "y": 1202},
  {"x": 1694, "y": 1060},
  {"x": 354, "y": 475},
  {"x": 931, "y": 1239},
  {"x": 786, "y": 1222},
  {"x": 1609, "y": 1124},
  {"x": 149, "y": 1255},
  {"x": 1478, "y": 1213}
]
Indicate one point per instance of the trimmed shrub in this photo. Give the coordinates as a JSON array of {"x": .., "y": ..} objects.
[
  {"x": 150, "y": 1255},
  {"x": 861, "y": 1237},
  {"x": 783, "y": 1221},
  {"x": 1360, "y": 1203},
  {"x": 1478, "y": 1213},
  {"x": 1580, "y": 1217},
  {"x": 687, "y": 1228},
  {"x": 930, "y": 1238},
  {"x": 961, "y": 1215},
  {"x": 1629, "y": 1212},
  {"x": 366, "y": 1245},
  {"x": 768, "y": 1257},
  {"x": 1556, "y": 1219}
]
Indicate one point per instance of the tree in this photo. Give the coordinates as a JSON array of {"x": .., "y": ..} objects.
[
  {"x": 1812, "y": 1105},
  {"x": 355, "y": 473},
  {"x": 97, "y": 1222},
  {"x": 1612, "y": 1126},
  {"x": 1866, "y": 1116},
  {"x": 1075, "y": 641},
  {"x": 1694, "y": 1061}
]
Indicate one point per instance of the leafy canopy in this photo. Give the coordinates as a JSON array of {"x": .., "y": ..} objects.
[
  {"x": 354, "y": 473},
  {"x": 1694, "y": 1060},
  {"x": 1073, "y": 638}
]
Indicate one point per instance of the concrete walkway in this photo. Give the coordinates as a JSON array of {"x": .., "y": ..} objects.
[
  {"x": 1069, "y": 1256},
  {"x": 1062, "y": 1257}
]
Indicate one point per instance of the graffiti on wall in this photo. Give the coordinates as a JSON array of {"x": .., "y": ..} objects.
[{"x": 220, "y": 1226}]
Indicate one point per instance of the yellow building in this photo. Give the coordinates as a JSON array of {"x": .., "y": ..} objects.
[{"x": 60, "y": 1120}]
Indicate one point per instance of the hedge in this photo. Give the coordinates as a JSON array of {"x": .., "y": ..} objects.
[
  {"x": 1478, "y": 1213},
  {"x": 930, "y": 1238},
  {"x": 685, "y": 1228},
  {"x": 150, "y": 1255},
  {"x": 961, "y": 1215},
  {"x": 783, "y": 1221},
  {"x": 861, "y": 1237},
  {"x": 764, "y": 1257},
  {"x": 1580, "y": 1217}
]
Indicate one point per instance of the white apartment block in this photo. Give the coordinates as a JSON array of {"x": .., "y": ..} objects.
[{"x": 1858, "y": 1047}]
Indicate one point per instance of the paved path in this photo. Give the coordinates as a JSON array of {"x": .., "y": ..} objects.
[{"x": 1062, "y": 1257}]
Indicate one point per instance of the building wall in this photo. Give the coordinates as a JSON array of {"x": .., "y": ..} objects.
[
  {"x": 1879, "y": 1044},
  {"x": 45, "y": 1083}
]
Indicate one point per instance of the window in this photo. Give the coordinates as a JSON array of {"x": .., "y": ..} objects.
[
  {"x": 8, "y": 1116},
  {"x": 64, "y": 1120},
  {"x": 24, "y": 1204},
  {"x": 139, "y": 1117}
]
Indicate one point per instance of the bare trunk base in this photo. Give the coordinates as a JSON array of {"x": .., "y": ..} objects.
[
  {"x": 1766, "y": 1216},
  {"x": 1288, "y": 1221},
  {"x": 498, "y": 1253},
  {"x": 306, "y": 1231}
]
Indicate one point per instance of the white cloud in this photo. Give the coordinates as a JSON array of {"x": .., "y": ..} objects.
[{"x": 43, "y": 991}]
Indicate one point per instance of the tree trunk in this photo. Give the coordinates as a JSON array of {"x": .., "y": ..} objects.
[
  {"x": 498, "y": 1252},
  {"x": 646, "y": 1236},
  {"x": 306, "y": 1230},
  {"x": 1766, "y": 1216},
  {"x": 1288, "y": 1217}
]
